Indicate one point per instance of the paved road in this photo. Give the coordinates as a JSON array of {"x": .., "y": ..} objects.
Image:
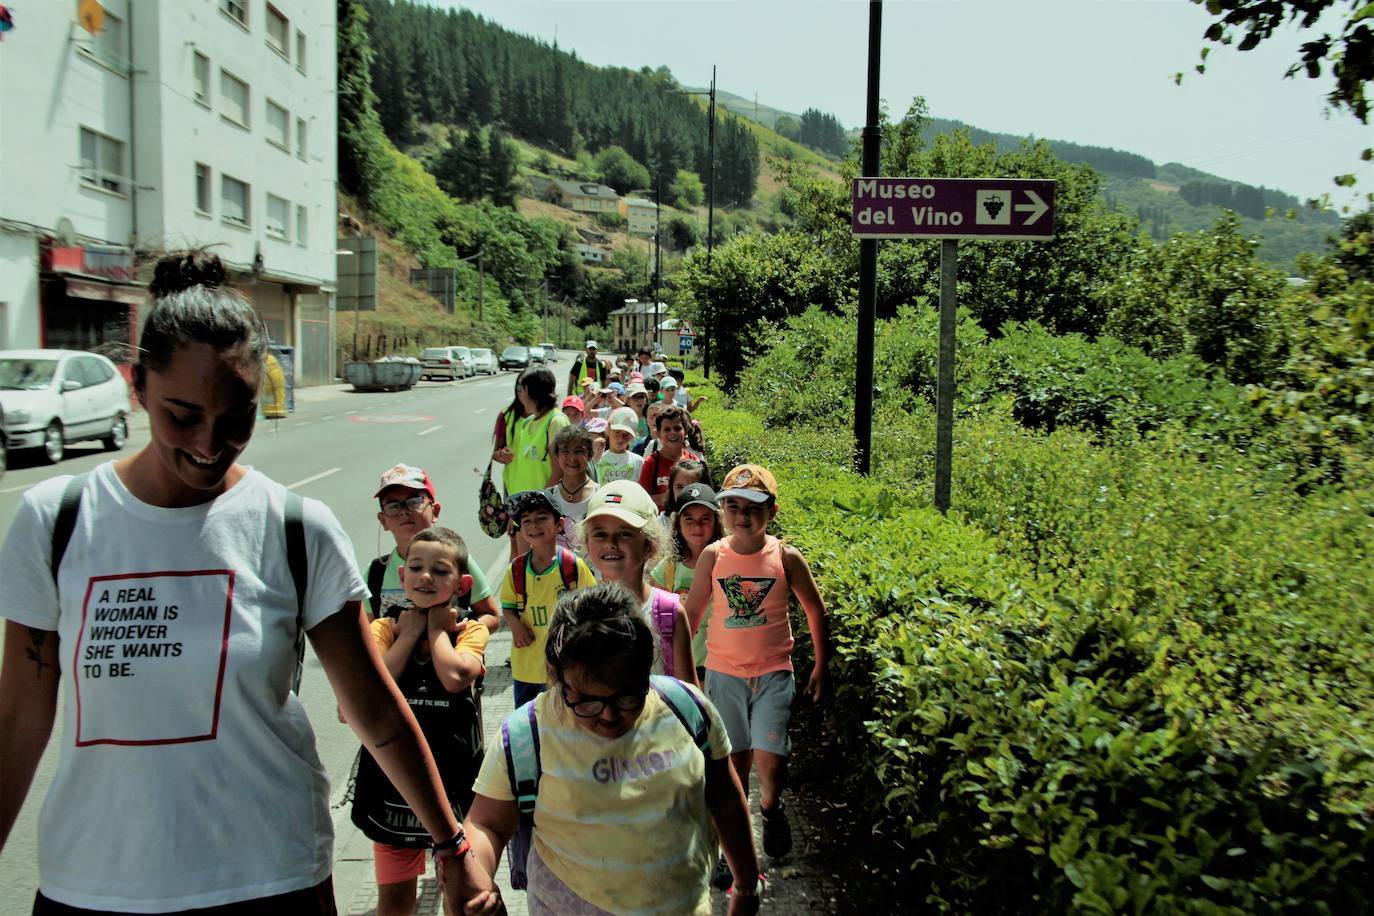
[{"x": 333, "y": 448}]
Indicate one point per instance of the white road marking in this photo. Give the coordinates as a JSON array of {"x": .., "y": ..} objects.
[
  {"x": 426, "y": 432},
  {"x": 319, "y": 476},
  {"x": 16, "y": 489},
  {"x": 479, "y": 410},
  {"x": 330, "y": 417}
]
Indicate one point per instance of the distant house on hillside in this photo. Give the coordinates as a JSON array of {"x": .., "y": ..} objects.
[
  {"x": 633, "y": 324},
  {"x": 640, "y": 214},
  {"x": 584, "y": 197},
  {"x": 592, "y": 254},
  {"x": 593, "y": 237}
]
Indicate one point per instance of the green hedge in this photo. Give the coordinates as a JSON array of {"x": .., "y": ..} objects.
[{"x": 1116, "y": 678}]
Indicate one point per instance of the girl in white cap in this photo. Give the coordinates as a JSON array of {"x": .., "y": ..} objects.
[{"x": 622, "y": 538}]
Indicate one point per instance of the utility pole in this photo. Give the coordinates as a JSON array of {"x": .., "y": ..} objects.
[
  {"x": 658, "y": 252},
  {"x": 710, "y": 219},
  {"x": 710, "y": 211},
  {"x": 868, "y": 259}
]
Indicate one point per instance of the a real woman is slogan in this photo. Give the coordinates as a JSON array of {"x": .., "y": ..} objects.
[{"x": 150, "y": 657}]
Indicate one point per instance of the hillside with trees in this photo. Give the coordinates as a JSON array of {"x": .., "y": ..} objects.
[{"x": 454, "y": 67}]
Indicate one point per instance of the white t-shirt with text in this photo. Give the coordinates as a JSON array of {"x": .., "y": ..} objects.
[{"x": 188, "y": 774}]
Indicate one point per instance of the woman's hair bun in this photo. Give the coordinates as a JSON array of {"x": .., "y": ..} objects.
[{"x": 182, "y": 270}]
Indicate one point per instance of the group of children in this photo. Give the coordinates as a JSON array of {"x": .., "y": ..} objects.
[{"x": 710, "y": 581}]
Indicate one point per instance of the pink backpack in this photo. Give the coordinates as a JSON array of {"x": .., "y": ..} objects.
[{"x": 664, "y": 610}]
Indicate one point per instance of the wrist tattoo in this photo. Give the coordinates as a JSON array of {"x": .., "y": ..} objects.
[{"x": 394, "y": 737}]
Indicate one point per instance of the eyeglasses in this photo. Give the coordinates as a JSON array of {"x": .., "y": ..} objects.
[
  {"x": 396, "y": 507},
  {"x": 589, "y": 707}
]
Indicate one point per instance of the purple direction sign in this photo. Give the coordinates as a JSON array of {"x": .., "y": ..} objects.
[{"x": 953, "y": 208}]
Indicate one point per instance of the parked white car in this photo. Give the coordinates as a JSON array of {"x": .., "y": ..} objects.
[
  {"x": 463, "y": 356},
  {"x": 52, "y": 398},
  {"x": 484, "y": 361},
  {"x": 440, "y": 362}
]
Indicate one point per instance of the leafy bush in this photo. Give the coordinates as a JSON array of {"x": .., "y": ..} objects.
[{"x": 1118, "y": 678}]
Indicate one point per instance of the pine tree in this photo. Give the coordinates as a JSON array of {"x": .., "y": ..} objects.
[{"x": 499, "y": 173}]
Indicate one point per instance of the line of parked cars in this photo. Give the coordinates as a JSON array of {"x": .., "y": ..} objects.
[
  {"x": 457, "y": 362},
  {"x": 52, "y": 398},
  {"x": 518, "y": 356}
]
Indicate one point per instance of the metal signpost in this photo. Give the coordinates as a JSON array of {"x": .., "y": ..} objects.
[{"x": 1007, "y": 209}]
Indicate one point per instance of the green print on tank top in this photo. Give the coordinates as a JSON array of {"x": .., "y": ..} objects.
[{"x": 745, "y": 595}]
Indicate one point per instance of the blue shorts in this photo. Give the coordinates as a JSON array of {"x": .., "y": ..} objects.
[
  {"x": 755, "y": 711},
  {"x": 524, "y": 691}
]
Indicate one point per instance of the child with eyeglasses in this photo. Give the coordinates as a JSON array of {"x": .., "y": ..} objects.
[
  {"x": 617, "y": 748},
  {"x": 407, "y": 505}
]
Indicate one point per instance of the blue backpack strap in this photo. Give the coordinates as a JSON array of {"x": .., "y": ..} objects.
[
  {"x": 298, "y": 563},
  {"x": 685, "y": 705},
  {"x": 520, "y": 740},
  {"x": 65, "y": 524}
]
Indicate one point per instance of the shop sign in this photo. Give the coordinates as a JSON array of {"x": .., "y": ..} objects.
[{"x": 109, "y": 262}]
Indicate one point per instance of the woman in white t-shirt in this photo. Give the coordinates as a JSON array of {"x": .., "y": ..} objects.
[{"x": 188, "y": 776}]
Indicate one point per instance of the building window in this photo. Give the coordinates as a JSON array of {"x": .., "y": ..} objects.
[
  {"x": 102, "y": 161},
  {"x": 200, "y": 78},
  {"x": 278, "y": 221},
  {"x": 202, "y": 188},
  {"x": 236, "y": 10},
  {"x": 233, "y": 98},
  {"x": 278, "y": 120},
  {"x": 300, "y": 50},
  {"x": 302, "y": 235},
  {"x": 278, "y": 32},
  {"x": 233, "y": 199},
  {"x": 107, "y": 46},
  {"x": 300, "y": 137}
]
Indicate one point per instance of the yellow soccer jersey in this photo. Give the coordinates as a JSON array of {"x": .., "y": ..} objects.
[{"x": 542, "y": 589}]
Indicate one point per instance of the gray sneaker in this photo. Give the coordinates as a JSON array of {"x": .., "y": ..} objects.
[{"x": 777, "y": 833}]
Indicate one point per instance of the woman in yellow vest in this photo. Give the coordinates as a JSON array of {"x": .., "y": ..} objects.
[{"x": 531, "y": 466}]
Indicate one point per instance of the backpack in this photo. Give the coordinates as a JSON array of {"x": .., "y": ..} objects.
[
  {"x": 376, "y": 575},
  {"x": 520, "y": 742},
  {"x": 293, "y": 522},
  {"x": 567, "y": 568},
  {"x": 664, "y": 612}
]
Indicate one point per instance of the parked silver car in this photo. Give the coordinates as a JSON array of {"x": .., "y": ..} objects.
[
  {"x": 464, "y": 357},
  {"x": 484, "y": 361},
  {"x": 51, "y": 398},
  {"x": 440, "y": 362}
]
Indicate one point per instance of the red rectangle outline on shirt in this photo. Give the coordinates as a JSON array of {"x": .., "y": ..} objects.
[{"x": 223, "y": 655}]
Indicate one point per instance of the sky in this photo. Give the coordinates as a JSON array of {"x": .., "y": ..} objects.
[{"x": 1095, "y": 72}]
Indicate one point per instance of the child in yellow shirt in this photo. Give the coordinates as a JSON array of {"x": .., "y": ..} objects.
[
  {"x": 533, "y": 582},
  {"x": 434, "y": 659}
]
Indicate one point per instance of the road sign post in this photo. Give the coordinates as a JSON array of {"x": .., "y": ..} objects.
[{"x": 990, "y": 209}]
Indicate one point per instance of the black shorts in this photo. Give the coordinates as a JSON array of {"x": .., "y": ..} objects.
[{"x": 312, "y": 901}]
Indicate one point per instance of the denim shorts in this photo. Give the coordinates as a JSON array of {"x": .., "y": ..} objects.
[{"x": 755, "y": 710}]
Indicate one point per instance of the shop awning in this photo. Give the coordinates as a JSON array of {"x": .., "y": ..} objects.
[{"x": 106, "y": 292}]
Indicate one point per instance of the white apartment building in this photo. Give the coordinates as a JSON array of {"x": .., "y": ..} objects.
[
  {"x": 641, "y": 216},
  {"x": 174, "y": 123}
]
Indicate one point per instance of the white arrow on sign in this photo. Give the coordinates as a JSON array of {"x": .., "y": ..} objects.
[{"x": 1037, "y": 208}]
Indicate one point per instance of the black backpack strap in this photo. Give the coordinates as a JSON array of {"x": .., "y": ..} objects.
[
  {"x": 65, "y": 524},
  {"x": 376, "y": 575},
  {"x": 296, "y": 560}
]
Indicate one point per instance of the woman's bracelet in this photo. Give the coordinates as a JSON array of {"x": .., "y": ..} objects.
[{"x": 457, "y": 846}]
